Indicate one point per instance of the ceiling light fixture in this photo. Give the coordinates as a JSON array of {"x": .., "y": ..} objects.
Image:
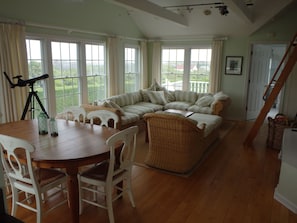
[{"x": 222, "y": 8}]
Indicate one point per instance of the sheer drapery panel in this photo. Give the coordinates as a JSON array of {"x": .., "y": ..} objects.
[
  {"x": 13, "y": 60},
  {"x": 215, "y": 66}
]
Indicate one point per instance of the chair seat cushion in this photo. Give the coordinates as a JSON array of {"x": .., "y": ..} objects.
[
  {"x": 46, "y": 176},
  {"x": 98, "y": 172}
]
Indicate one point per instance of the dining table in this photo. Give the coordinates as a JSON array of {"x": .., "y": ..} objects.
[{"x": 77, "y": 145}]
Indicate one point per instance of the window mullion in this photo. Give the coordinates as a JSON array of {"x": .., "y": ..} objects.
[
  {"x": 83, "y": 71},
  {"x": 187, "y": 68},
  {"x": 51, "y": 83}
]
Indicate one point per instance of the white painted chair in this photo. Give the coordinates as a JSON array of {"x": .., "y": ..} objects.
[
  {"x": 34, "y": 182},
  {"x": 109, "y": 174},
  {"x": 78, "y": 113},
  {"x": 105, "y": 116}
]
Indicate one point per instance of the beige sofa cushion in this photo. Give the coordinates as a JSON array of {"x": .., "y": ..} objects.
[
  {"x": 205, "y": 101},
  {"x": 186, "y": 96},
  {"x": 157, "y": 97},
  {"x": 210, "y": 122}
]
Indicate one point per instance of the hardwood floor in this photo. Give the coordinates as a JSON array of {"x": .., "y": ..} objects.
[{"x": 233, "y": 184}]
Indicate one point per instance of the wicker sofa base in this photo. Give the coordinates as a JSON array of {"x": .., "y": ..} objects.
[{"x": 175, "y": 143}]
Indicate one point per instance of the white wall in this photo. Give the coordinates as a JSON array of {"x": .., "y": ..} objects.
[{"x": 290, "y": 101}]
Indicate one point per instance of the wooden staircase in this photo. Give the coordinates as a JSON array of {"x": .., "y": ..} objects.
[{"x": 290, "y": 58}]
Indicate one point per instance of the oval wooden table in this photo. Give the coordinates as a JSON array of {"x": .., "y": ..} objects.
[{"x": 76, "y": 145}]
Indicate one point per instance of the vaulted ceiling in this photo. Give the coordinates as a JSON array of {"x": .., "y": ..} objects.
[{"x": 201, "y": 18}]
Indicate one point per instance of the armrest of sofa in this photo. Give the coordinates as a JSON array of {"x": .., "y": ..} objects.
[
  {"x": 175, "y": 143},
  {"x": 88, "y": 108},
  {"x": 219, "y": 106}
]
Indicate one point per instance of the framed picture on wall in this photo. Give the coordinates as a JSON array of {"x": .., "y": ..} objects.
[{"x": 233, "y": 65}]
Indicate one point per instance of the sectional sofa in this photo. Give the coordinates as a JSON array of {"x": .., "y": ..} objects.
[{"x": 130, "y": 107}]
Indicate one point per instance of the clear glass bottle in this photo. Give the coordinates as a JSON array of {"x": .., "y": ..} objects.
[
  {"x": 42, "y": 124},
  {"x": 53, "y": 127}
]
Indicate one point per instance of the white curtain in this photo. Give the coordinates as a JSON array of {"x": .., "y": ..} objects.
[
  {"x": 156, "y": 62},
  {"x": 113, "y": 61},
  {"x": 216, "y": 66},
  {"x": 143, "y": 65},
  {"x": 13, "y": 61}
]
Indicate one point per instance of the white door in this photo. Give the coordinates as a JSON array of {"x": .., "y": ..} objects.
[{"x": 264, "y": 61}]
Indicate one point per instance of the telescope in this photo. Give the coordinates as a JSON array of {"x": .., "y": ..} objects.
[
  {"x": 32, "y": 93},
  {"x": 23, "y": 83}
]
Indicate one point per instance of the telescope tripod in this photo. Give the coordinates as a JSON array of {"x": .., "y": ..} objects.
[{"x": 30, "y": 100}]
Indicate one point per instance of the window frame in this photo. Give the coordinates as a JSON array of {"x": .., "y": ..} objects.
[
  {"x": 46, "y": 40},
  {"x": 137, "y": 66},
  {"x": 187, "y": 62}
]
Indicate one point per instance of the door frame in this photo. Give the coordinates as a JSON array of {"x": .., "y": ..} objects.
[{"x": 281, "y": 95}]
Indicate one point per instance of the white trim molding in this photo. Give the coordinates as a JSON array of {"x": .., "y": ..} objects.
[{"x": 284, "y": 201}]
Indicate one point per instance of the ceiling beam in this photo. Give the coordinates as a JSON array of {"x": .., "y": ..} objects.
[
  {"x": 151, "y": 8},
  {"x": 239, "y": 7}
]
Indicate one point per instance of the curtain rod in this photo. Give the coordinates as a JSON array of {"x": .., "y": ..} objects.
[
  {"x": 70, "y": 30},
  {"x": 12, "y": 21},
  {"x": 199, "y": 38}
]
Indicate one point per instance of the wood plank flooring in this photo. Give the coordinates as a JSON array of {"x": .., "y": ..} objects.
[{"x": 233, "y": 184}]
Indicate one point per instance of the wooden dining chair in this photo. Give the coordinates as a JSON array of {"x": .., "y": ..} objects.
[
  {"x": 109, "y": 174},
  {"x": 105, "y": 117},
  {"x": 34, "y": 182},
  {"x": 77, "y": 113}
]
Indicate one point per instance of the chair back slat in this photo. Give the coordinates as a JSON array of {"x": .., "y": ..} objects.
[
  {"x": 127, "y": 140},
  {"x": 78, "y": 113},
  {"x": 105, "y": 116},
  {"x": 21, "y": 174}
]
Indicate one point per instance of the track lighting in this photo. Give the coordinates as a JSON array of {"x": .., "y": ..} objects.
[{"x": 223, "y": 9}]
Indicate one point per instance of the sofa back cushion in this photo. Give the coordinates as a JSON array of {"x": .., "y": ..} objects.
[
  {"x": 126, "y": 98},
  {"x": 122, "y": 99},
  {"x": 136, "y": 96},
  {"x": 188, "y": 96}
]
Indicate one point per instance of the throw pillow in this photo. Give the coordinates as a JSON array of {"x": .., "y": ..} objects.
[
  {"x": 157, "y": 97},
  {"x": 220, "y": 96},
  {"x": 205, "y": 101},
  {"x": 155, "y": 86},
  {"x": 111, "y": 104},
  {"x": 168, "y": 95},
  {"x": 145, "y": 95}
]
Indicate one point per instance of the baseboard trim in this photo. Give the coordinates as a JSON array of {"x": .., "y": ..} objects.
[{"x": 284, "y": 201}]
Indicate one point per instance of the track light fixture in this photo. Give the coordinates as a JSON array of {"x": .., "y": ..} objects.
[
  {"x": 223, "y": 9},
  {"x": 189, "y": 7}
]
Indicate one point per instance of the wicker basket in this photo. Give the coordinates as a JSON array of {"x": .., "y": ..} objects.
[{"x": 276, "y": 128}]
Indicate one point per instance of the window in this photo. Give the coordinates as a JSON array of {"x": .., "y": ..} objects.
[
  {"x": 186, "y": 69},
  {"x": 172, "y": 70},
  {"x": 36, "y": 65},
  {"x": 132, "y": 67},
  {"x": 66, "y": 74},
  {"x": 77, "y": 72},
  {"x": 96, "y": 72},
  {"x": 199, "y": 70}
]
